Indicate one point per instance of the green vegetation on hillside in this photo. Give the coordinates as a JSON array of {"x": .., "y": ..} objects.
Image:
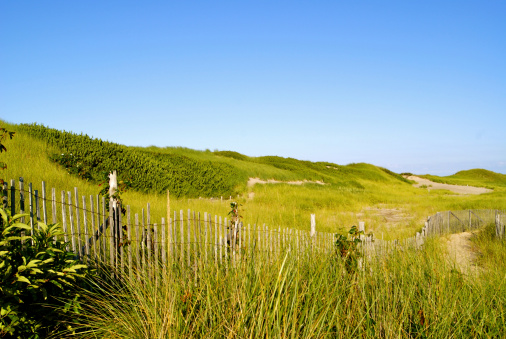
[
  {"x": 188, "y": 173},
  {"x": 148, "y": 171},
  {"x": 389, "y": 205}
]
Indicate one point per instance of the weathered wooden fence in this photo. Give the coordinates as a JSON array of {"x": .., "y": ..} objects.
[
  {"x": 439, "y": 224},
  {"x": 461, "y": 221},
  {"x": 98, "y": 233}
]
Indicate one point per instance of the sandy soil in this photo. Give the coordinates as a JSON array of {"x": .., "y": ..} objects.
[
  {"x": 389, "y": 216},
  {"x": 460, "y": 251},
  {"x": 454, "y": 188},
  {"x": 253, "y": 181}
]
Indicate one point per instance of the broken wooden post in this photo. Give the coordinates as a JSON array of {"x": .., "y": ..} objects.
[
  {"x": 113, "y": 204},
  {"x": 313, "y": 225}
]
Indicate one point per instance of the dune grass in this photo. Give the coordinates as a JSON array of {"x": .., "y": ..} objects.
[{"x": 406, "y": 294}]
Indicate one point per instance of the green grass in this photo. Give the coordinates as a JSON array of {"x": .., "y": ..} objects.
[{"x": 406, "y": 294}]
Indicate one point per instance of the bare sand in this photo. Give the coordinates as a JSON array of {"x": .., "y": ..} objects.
[
  {"x": 453, "y": 188},
  {"x": 461, "y": 252}
]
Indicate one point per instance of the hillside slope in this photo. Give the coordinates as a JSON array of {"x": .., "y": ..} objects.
[
  {"x": 386, "y": 202},
  {"x": 190, "y": 173}
]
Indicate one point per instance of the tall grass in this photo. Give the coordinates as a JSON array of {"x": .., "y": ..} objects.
[{"x": 406, "y": 294}]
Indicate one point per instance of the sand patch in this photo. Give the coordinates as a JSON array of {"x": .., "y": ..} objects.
[
  {"x": 389, "y": 217},
  {"x": 460, "y": 251},
  {"x": 453, "y": 188}
]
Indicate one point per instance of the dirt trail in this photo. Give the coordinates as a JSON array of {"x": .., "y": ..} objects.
[
  {"x": 460, "y": 251},
  {"x": 454, "y": 188}
]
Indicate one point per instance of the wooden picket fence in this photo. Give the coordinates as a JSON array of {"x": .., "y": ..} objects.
[
  {"x": 462, "y": 221},
  {"x": 441, "y": 223},
  {"x": 102, "y": 236}
]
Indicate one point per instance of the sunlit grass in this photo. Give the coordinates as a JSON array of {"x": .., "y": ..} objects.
[{"x": 406, "y": 294}]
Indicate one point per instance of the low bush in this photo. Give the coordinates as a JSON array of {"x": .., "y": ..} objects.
[
  {"x": 348, "y": 250},
  {"x": 38, "y": 277}
]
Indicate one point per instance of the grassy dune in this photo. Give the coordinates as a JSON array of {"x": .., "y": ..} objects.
[{"x": 352, "y": 193}]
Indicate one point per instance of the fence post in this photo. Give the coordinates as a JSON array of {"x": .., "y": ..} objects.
[
  {"x": 313, "y": 225},
  {"x": 71, "y": 223},
  {"x": 21, "y": 198},
  {"x": 139, "y": 242},
  {"x": 30, "y": 200},
  {"x": 312, "y": 232},
  {"x": 129, "y": 242},
  {"x": 94, "y": 231},
  {"x": 53, "y": 205},
  {"x": 449, "y": 214},
  {"x": 501, "y": 226},
  {"x": 86, "y": 235},
  {"x": 168, "y": 227},
  {"x": 361, "y": 228},
  {"x": 497, "y": 225},
  {"x": 78, "y": 225},
  {"x": 44, "y": 208},
  {"x": 113, "y": 186},
  {"x": 13, "y": 198},
  {"x": 37, "y": 207},
  {"x": 64, "y": 220},
  {"x": 181, "y": 227}
]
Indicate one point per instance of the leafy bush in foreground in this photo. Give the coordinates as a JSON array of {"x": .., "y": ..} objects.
[{"x": 36, "y": 274}]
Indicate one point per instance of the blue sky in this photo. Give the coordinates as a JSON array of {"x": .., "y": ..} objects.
[{"x": 412, "y": 86}]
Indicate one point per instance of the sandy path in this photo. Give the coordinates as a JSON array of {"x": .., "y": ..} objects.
[
  {"x": 454, "y": 188},
  {"x": 460, "y": 251}
]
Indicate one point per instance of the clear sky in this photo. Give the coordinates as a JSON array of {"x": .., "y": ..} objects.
[{"x": 414, "y": 86}]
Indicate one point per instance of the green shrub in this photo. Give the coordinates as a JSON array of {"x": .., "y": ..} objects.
[
  {"x": 37, "y": 278},
  {"x": 150, "y": 171},
  {"x": 348, "y": 249}
]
